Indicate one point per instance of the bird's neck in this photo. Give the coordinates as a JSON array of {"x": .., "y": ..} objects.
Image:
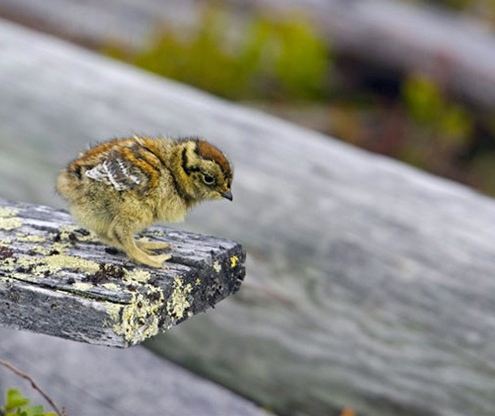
[{"x": 178, "y": 168}]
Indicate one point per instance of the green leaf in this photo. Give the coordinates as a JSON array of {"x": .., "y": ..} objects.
[
  {"x": 35, "y": 411},
  {"x": 423, "y": 99},
  {"x": 15, "y": 399},
  {"x": 17, "y": 405}
]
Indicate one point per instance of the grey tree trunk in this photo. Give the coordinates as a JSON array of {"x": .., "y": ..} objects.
[
  {"x": 89, "y": 380},
  {"x": 370, "y": 284}
]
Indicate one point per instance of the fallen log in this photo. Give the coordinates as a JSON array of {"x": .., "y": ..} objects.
[{"x": 89, "y": 380}]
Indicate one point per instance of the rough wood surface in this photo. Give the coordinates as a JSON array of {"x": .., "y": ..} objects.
[
  {"x": 457, "y": 50},
  {"x": 370, "y": 283},
  {"x": 90, "y": 380},
  {"x": 55, "y": 278}
]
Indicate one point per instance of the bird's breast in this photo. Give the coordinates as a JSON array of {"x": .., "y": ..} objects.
[{"x": 172, "y": 210}]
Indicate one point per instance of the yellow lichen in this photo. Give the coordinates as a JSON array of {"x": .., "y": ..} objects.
[
  {"x": 30, "y": 238},
  {"x": 68, "y": 229},
  {"x": 8, "y": 220},
  {"x": 8, "y": 212},
  {"x": 138, "y": 320},
  {"x": 52, "y": 264},
  {"x": 41, "y": 250},
  {"x": 9, "y": 223},
  {"x": 57, "y": 247},
  {"x": 197, "y": 282},
  {"x": 137, "y": 276},
  {"x": 60, "y": 261},
  {"x": 217, "y": 266},
  {"x": 60, "y": 247},
  {"x": 234, "y": 261},
  {"x": 8, "y": 264},
  {"x": 111, "y": 286},
  {"x": 179, "y": 300}
]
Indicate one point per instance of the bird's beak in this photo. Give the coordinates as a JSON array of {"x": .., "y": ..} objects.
[{"x": 227, "y": 195}]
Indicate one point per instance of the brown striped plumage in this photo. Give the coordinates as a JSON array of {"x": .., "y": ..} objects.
[
  {"x": 119, "y": 187},
  {"x": 210, "y": 152}
]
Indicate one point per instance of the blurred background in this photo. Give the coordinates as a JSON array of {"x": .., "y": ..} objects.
[
  {"x": 335, "y": 318},
  {"x": 415, "y": 96}
]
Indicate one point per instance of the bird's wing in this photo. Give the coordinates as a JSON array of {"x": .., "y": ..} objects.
[{"x": 118, "y": 172}]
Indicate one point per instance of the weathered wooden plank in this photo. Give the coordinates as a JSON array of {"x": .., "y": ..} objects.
[
  {"x": 457, "y": 50},
  {"x": 89, "y": 380},
  {"x": 55, "y": 278},
  {"x": 370, "y": 283}
]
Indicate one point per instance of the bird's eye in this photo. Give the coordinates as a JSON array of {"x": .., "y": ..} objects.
[{"x": 208, "y": 180}]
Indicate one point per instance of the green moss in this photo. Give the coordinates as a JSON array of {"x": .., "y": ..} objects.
[
  {"x": 273, "y": 58},
  {"x": 428, "y": 106}
]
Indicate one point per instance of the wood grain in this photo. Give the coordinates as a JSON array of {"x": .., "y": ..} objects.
[
  {"x": 370, "y": 283},
  {"x": 89, "y": 380},
  {"x": 55, "y": 278}
]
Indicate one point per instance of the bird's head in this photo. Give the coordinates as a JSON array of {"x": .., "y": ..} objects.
[{"x": 205, "y": 172}]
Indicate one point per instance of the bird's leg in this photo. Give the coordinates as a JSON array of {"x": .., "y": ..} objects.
[
  {"x": 123, "y": 235},
  {"x": 145, "y": 244}
]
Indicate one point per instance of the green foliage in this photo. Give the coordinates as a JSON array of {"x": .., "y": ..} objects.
[
  {"x": 272, "y": 59},
  {"x": 18, "y": 405},
  {"x": 294, "y": 58},
  {"x": 282, "y": 65},
  {"x": 456, "y": 4},
  {"x": 426, "y": 105}
]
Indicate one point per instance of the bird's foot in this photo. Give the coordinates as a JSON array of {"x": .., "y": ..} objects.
[
  {"x": 145, "y": 244},
  {"x": 154, "y": 261}
]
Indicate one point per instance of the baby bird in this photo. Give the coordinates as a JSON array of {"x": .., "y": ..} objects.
[{"x": 119, "y": 187}]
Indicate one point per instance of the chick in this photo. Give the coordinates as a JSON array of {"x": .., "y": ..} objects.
[{"x": 119, "y": 187}]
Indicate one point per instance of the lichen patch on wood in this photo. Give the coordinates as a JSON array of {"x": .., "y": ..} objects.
[
  {"x": 179, "y": 301},
  {"x": 73, "y": 233},
  {"x": 30, "y": 238},
  {"x": 140, "y": 276},
  {"x": 6, "y": 212},
  {"x": 140, "y": 319},
  {"x": 8, "y": 219},
  {"x": 58, "y": 262},
  {"x": 57, "y": 278},
  {"x": 217, "y": 266}
]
